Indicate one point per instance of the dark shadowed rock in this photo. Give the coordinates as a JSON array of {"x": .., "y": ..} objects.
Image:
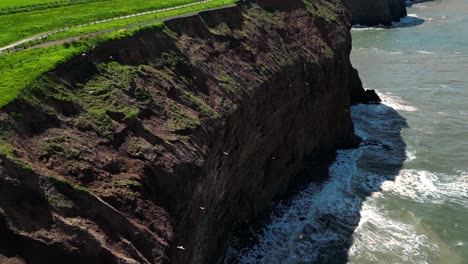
[
  {"x": 375, "y": 12},
  {"x": 358, "y": 94},
  {"x": 281, "y": 4}
]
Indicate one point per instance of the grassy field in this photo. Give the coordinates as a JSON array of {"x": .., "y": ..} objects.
[
  {"x": 19, "y": 26},
  {"x": 20, "y": 69},
  {"x": 17, "y": 3}
]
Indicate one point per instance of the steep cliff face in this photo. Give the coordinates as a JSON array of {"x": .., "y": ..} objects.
[
  {"x": 375, "y": 12},
  {"x": 152, "y": 149}
]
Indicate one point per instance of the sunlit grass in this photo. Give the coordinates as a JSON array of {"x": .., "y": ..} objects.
[{"x": 18, "y": 3}]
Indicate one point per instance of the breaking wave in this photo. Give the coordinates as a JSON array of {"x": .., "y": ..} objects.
[
  {"x": 427, "y": 187},
  {"x": 397, "y": 103}
]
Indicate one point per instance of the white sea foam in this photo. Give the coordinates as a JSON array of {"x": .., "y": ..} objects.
[
  {"x": 421, "y": 6},
  {"x": 363, "y": 28},
  {"x": 397, "y": 103},
  {"x": 410, "y": 155},
  {"x": 427, "y": 187},
  {"x": 380, "y": 51},
  {"x": 378, "y": 233},
  {"x": 424, "y": 52},
  {"x": 412, "y": 16}
]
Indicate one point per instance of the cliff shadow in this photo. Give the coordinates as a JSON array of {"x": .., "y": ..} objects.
[
  {"x": 316, "y": 224},
  {"x": 407, "y": 21},
  {"x": 410, "y": 3}
]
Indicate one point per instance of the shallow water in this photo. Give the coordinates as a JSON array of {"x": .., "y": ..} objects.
[{"x": 402, "y": 197}]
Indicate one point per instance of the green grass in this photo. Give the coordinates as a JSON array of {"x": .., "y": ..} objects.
[
  {"x": 19, "y": 26},
  {"x": 179, "y": 118},
  {"x": 66, "y": 183},
  {"x": 17, "y": 3},
  {"x": 5, "y": 149},
  {"x": 128, "y": 183},
  {"x": 33, "y": 64},
  {"x": 103, "y": 95},
  {"x": 29, "y": 6},
  {"x": 198, "y": 104},
  {"x": 326, "y": 10}
]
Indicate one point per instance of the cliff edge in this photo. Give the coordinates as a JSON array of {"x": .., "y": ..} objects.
[
  {"x": 154, "y": 148},
  {"x": 376, "y": 12}
]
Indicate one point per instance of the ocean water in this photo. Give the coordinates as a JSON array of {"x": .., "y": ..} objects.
[{"x": 402, "y": 196}]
